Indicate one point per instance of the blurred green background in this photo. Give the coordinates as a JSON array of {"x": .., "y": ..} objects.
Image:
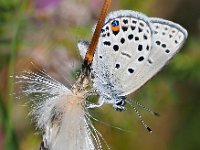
[{"x": 43, "y": 34}]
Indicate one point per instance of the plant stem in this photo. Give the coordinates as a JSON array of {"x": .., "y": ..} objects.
[{"x": 10, "y": 136}]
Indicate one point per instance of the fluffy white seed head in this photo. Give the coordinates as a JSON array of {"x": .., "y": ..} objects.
[{"x": 59, "y": 113}]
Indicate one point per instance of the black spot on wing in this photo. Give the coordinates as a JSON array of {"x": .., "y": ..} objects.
[
  {"x": 147, "y": 47},
  {"x": 145, "y": 37},
  {"x": 116, "y": 47},
  {"x": 164, "y": 45},
  {"x": 130, "y": 70},
  {"x": 122, "y": 40},
  {"x": 103, "y": 35},
  {"x": 134, "y": 21},
  {"x": 125, "y": 54},
  {"x": 102, "y": 30},
  {"x": 107, "y": 43},
  {"x": 132, "y": 28},
  {"x": 141, "y": 24},
  {"x": 158, "y": 42},
  {"x": 140, "y": 47},
  {"x": 141, "y": 58},
  {"x": 107, "y": 28},
  {"x": 125, "y": 21},
  {"x": 137, "y": 38},
  {"x": 167, "y": 50},
  {"x": 124, "y": 28},
  {"x": 155, "y": 32},
  {"x": 130, "y": 36},
  {"x": 115, "y": 32},
  {"x": 117, "y": 66},
  {"x": 140, "y": 29},
  {"x": 150, "y": 61}
]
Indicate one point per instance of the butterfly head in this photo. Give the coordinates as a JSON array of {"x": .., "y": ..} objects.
[{"x": 119, "y": 104}]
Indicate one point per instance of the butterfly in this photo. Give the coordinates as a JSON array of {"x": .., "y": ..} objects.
[
  {"x": 131, "y": 49},
  {"x": 127, "y": 49}
]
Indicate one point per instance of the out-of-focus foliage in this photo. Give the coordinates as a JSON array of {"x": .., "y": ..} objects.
[{"x": 43, "y": 34}]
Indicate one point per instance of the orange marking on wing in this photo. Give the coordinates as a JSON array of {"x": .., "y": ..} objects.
[
  {"x": 115, "y": 28},
  {"x": 92, "y": 47}
]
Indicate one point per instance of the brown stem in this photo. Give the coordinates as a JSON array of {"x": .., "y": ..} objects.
[{"x": 92, "y": 47}]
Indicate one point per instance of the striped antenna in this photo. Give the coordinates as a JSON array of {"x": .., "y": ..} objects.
[
  {"x": 92, "y": 47},
  {"x": 140, "y": 117},
  {"x": 145, "y": 108}
]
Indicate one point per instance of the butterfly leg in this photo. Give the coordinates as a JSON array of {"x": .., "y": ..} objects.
[
  {"x": 101, "y": 102},
  {"x": 42, "y": 146}
]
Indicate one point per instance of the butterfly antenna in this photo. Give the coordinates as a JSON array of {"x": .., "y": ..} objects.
[
  {"x": 92, "y": 47},
  {"x": 140, "y": 117},
  {"x": 145, "y": 108}
]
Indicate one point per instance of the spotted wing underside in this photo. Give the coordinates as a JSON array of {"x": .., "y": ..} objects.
[
  {"x": 132, "y": 48},
  {"x": 167, "y": 39},
  {"x": 123, "y": 48}
]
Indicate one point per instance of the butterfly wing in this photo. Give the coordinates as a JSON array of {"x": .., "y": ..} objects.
[
  {"x": 123, "y": 48},
  {"x": 168, "y": 38},
  {"x": 83, "y": 47},
  {"x": 132, "y": 48}
]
